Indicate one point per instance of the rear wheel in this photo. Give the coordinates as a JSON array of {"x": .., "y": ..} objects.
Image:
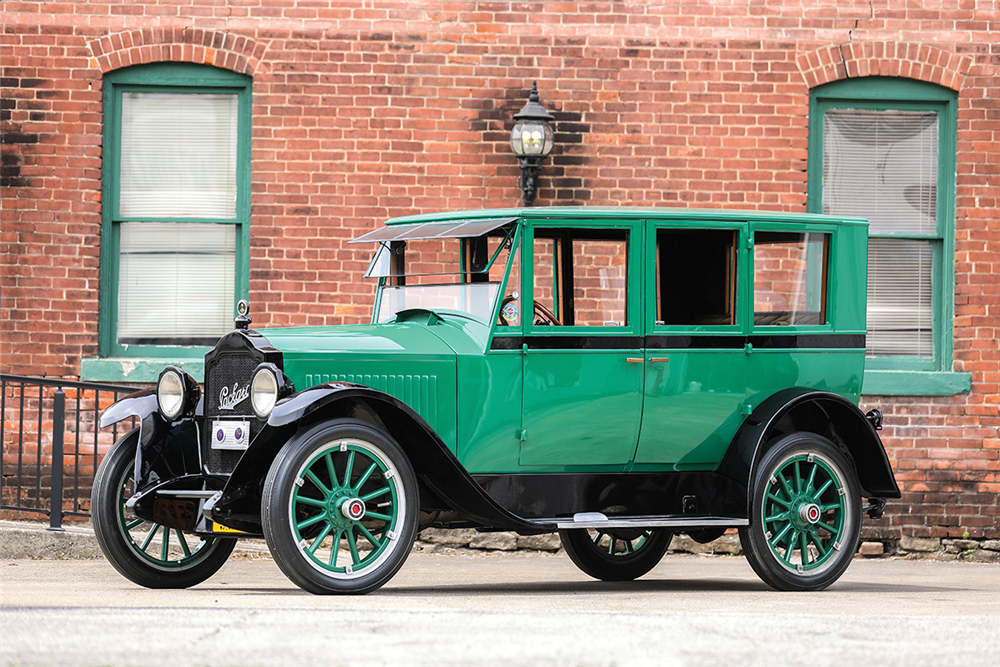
[
  {"x": 147, "y": 553},
  {"x": 619, "y": 554},
  {"x": 340, "y": 508},
  {"x": 806, "y": 517}
]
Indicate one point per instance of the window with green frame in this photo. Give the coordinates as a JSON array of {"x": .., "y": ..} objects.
[
  {"x": 176, "y": 216},
  {"x": 883, "y": 148}
]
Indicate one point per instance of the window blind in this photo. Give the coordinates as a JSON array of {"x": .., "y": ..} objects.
[
  {"x": 176, "y": 282},
  {"x": 882, "y": 165},
  {"x": 178, "y": 155},
  {"x": 900, "y": 314}
]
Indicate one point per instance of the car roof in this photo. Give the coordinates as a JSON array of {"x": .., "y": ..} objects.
[{"x": 627, "y": 212}]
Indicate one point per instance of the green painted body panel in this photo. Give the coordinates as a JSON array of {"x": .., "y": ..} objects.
[
  {"x": 692, "y": 407},
  {"x": 489, "y": 414},
  {"x": 407, "y": 361},
  {"x": 581, "y": 409},
  {"x": 530, "y": 405},
  {"x": 836, "y": 371}
]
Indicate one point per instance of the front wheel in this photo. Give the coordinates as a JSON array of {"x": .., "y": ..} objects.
[
  {"x": 340, "y": 508},
  {"x": 618, "y": 554},
  {"x": 806, "y": 516},
  {"x": 146, "y": 553}
]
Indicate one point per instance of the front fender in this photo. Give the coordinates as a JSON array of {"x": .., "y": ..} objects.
[
  {"x": 166, "y": 449},
  {"x": 300, "y": 405},
  {"x": 141, "y": 404},
  {"x": 433, "y": 462}
]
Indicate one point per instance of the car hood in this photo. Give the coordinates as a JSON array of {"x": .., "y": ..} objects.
[
  {"x": 407, "y": 360},
  {"x": 365, "y": 341}
]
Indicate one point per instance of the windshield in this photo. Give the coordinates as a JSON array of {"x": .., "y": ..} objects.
[
  {"x": 475, "y": 299},
  {"x": 459, "y": 275}
]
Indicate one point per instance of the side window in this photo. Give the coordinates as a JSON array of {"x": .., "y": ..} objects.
[
  {"x": 789, "y": 278},
  {"x": 600, "y": 280},
  {"x": 581, "y": 277},
  {"x": 695, "y": 277},
  {"x": 510, "y": 306},
  {"x": 547, "y": 262}
]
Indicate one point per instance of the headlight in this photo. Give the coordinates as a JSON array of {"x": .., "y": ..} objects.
[
  {"x": 176, "y": 392},
  {"x": 264, "y": 390}
]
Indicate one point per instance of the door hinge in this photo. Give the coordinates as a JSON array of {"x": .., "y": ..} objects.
[
  {"x": 746, "y": 409},
  {"x": 522, "y": 435}
]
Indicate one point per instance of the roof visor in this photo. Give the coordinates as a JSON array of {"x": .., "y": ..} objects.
[{"x": 434, "y": 230}]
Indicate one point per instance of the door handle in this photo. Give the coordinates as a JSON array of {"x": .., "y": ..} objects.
[
  {"x": 634, "y": 360},
  {"x": 659, "y": 360}
]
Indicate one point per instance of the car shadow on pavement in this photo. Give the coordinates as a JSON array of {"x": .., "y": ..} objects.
[
  {"x": 642, "y": 586},
  {"x": 554, "y": 588},
  {"x": 557, "y": 588}
]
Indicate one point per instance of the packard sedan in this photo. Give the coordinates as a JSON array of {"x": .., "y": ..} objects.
[{"x": 617, "y": 376}]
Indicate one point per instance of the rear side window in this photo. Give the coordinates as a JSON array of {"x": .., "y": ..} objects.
[
  {"x": 790, "y": 278},
  {"x": 695, "y": 277}
]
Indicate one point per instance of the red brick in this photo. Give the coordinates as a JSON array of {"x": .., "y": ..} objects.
[{"x": 356, "y": 119}]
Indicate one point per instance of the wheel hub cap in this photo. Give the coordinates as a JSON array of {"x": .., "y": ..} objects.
[
  {"x": 809, "y": 513},
  {"x": 353, "y": 509}
]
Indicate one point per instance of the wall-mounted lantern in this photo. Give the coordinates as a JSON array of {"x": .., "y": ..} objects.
[{"x": 531, "y": 140}]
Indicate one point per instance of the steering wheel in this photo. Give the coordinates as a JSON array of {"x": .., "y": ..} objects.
[{"x": 543, "y": 315}]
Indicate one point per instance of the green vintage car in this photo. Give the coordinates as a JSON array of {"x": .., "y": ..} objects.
[{"x": 613, "y": 375}]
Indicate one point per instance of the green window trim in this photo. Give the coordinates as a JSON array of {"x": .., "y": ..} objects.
[
  {"x": 915, "y": 383},
  {"x": 161, "y": 78},
  {"x": 134, "y": 370},
  {"x": 905, "y": 376}
]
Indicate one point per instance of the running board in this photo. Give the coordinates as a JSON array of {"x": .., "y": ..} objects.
[
  {"x": 598, "y": 520},
  {"x": 183, "y": 493}
]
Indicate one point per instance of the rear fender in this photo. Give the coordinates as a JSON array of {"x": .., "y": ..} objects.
[
  {"x": 820, "y": 412},
  {"x": 436, "y": 467}
]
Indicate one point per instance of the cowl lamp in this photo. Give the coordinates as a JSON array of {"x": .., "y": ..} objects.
[{"x": 531, "y": 140}]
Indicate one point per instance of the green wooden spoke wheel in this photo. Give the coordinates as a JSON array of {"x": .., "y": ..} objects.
[
  {"x": 617, "y": 554},
  {"x": 145, "y": 552},
  {"x": 340, "y": 508},
  {"x": 806, "y": 516}
]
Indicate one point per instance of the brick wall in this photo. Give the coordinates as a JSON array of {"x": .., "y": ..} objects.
[{"x": 364, "y": 110}]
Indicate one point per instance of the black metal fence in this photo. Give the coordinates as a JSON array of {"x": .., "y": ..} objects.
[{"x": 53, "y": 444}]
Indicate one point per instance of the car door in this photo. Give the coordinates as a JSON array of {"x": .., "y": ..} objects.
[
  {"x": 695, "y": 357},
  {"x": 582, "y": 350},
  {"x": 794, "y": 339}
]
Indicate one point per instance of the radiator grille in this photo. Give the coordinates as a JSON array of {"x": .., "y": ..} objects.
[{"x": 231, "y": 372}]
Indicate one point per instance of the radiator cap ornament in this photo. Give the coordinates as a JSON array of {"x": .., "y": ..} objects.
[{"x": 243, "y": 314}]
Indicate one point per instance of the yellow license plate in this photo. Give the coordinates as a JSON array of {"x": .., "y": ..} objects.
[{"x": 219, "y": 528}]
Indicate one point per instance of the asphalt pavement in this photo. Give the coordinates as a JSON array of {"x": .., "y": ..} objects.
[{"x": 503, "y": 609}]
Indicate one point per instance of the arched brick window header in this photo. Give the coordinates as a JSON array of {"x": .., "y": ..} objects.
[
  {"x": 190, "y": 45},
  {"x": 860, "y": 59}
]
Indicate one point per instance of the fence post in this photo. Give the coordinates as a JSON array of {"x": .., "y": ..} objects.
[{"x": 58, "y": 432}]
